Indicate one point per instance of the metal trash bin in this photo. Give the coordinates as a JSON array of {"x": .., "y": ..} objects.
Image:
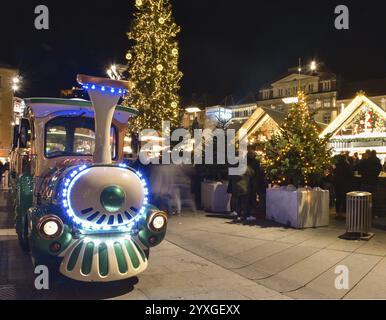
[{"x": 359, "y": 214}]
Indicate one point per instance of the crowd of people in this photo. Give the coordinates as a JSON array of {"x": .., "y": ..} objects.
[
  {"x": 345, "y": 168},
  {"x": 349, "y": 173},
  {"x": 175, "y": 186}
]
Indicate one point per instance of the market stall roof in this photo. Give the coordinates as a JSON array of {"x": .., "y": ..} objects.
[
  {"x": 349, "y": 114},
  {"x": 262, "y": 115},
  {"x": 258, "y": 119}
]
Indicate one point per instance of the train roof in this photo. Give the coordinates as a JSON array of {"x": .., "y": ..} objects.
[{"x": 43, "y": 107}]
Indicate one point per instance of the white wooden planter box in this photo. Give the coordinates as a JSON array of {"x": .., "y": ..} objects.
[
  {"x": 302, "y": 208},
  {"x": 214, "y": 197}
]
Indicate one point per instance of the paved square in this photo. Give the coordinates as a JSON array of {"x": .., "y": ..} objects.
[{"x": 206, "y": 257}]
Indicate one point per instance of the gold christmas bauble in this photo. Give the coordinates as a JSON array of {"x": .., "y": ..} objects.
[
  {"x": 175, "y": 52},
  {"x": 160, "y": 67},
  {"x": 161, "y": 20},
  {"x": 138, "y": 3},
  {"x": 174, "y": 104},
  {"x": 129, "y": 56}
]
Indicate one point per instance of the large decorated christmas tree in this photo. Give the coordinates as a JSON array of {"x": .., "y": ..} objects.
[
  {"x": 296, "y": 155},
  {"x": 153, "y": 65}
]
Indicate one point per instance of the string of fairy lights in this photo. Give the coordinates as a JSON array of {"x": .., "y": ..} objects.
[
  {"x": 153, "y": 65},
  {"x": 297, "y": 155}
]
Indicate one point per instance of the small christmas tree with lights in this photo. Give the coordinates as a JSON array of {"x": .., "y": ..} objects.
[
  {"x": 296, "y": 155},
  {"x": 153, "y": 65}
]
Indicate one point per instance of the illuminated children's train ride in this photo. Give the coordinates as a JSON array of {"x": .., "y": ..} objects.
[{"x": 78, "y": 207}]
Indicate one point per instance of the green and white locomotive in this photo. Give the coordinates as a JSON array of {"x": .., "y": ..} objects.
[{"x": 78, "y": 207}]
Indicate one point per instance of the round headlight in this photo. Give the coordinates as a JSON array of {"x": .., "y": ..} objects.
[
  {"x": 50, "y": 227},
  {"x": 158, "y": 221}
]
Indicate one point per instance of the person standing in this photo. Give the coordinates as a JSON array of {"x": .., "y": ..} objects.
[
  {"x": 259, "y": 187},
  {"x": 342, "y": 181},
  {"x": 240, "y": 187},
  {"x": 370, "y": 170},
  {"x": 356, "y": 161},
  {"x": 255, "y": 168},
  {"x": 5, "y": 173}
]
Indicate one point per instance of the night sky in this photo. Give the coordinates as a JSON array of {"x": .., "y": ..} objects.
[{"x": 227, "y": 47}]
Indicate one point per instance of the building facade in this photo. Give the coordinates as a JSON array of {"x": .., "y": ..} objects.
[
  {"x": 327, "y": 96},
  {"x": 6, "y": 111},
  {"x": 321, "y": 88}
]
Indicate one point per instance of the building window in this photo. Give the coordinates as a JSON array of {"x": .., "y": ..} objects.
[
  {"x": 310, "y": 88},
  {"x": 327, "y": 118},
  {"x": 327, "y": 103},
  {"x": 246, "y": 113},
  {"x": 326, "y": 85}
]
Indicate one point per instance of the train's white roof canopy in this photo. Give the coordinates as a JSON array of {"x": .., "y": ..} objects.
[{"x": 43, "y": 107}]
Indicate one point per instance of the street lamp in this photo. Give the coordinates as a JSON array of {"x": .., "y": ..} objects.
[
  {"x": 16, "y": 81},
  {"x": 113, "y": 73},
  {"x": 313, "y": 65}
]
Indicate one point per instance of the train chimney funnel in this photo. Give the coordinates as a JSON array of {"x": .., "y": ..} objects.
[{"x": 104, "y": 95}]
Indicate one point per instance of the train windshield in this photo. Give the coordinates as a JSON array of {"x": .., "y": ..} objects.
[{"x": 74, "y": 136}]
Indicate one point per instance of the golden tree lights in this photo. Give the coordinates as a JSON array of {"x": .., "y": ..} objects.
[
  {"x": 297, "y": 155},
  {"x": 153, "y": 65}
]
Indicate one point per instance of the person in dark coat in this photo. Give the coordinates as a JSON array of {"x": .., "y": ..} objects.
[
  {"x": 342, "y": 180},
  {"x": 356, "y": 161},
  {"x": 370, "y": 170},
  {"x": 241, "y": 188},
  {"x": 254, "y": 166}
]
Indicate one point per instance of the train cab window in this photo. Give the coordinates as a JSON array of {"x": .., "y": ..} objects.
[
  {"x": 15, "y": 138},
  {"x": 74, "y": 136},
  {"x": 25, "y": 134}
]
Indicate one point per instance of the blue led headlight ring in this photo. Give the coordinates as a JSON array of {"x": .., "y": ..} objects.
[{"x": 69, "y": 183}]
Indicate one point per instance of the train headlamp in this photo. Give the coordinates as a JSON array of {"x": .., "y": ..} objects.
[
  {"x": 158, "y": 221},
  {"x": 50, "y": 227}
]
